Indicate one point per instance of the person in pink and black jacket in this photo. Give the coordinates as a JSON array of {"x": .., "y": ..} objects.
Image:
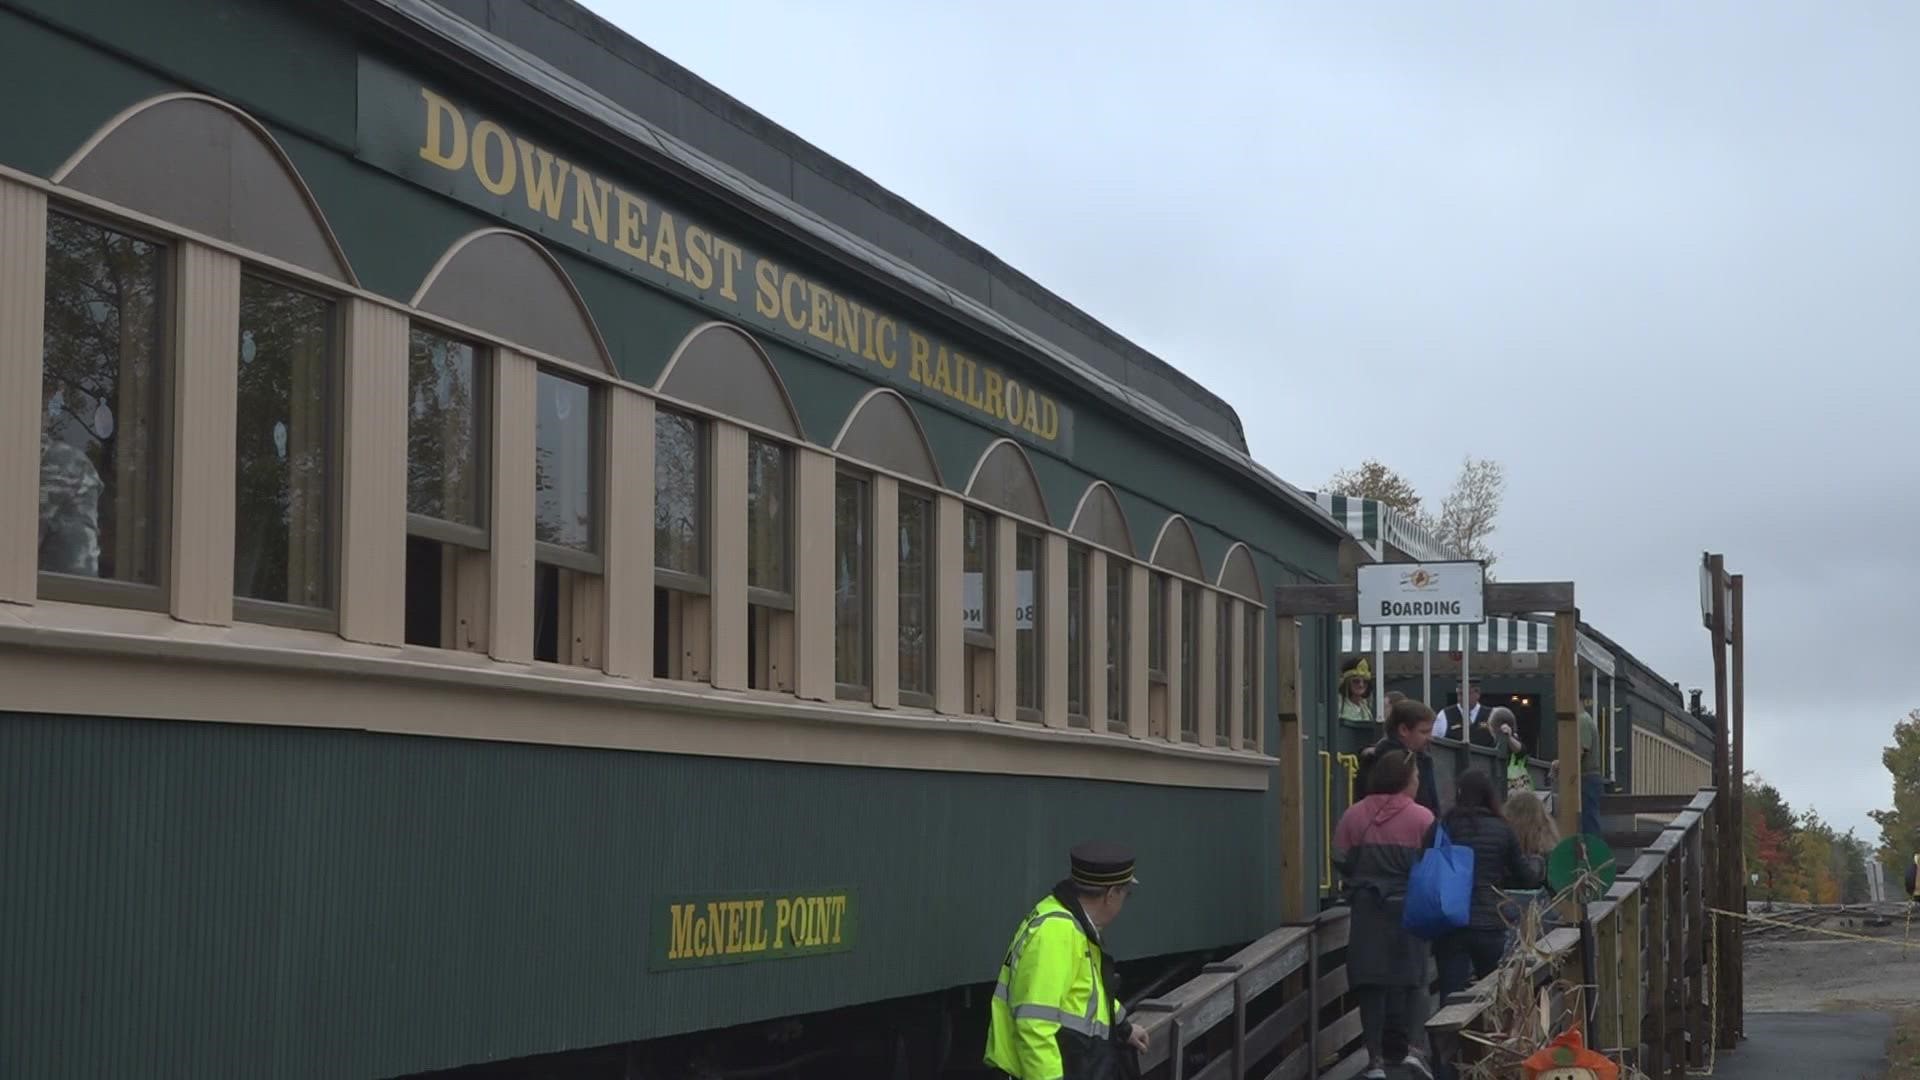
[{"x": 1377, "y": 843}]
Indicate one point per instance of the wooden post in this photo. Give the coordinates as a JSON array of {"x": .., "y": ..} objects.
[
  {"x": 1314, "y": 1004},
  {"x": 1675, "y": 998},
  {"x": 1700, "y": 986},
  {"x": 1736, "y": 1005},
  {"x": 1566, "y": 705},
  {"x": 1633, "y": 995},
  {"x": 1295, "y": 873},
  {"x": 1605, "y": 978},
  {"x": 1655, "y": 913},
  {"x": 1176, "y": 1049},
  {"x": 1723, "y": 887},
  {"x": 1240, "y": 1061}
]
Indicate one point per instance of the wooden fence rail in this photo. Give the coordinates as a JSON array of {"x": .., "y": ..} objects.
[
  {"x": 1277, "y": 1009},
  {"x": 1646, "y": 980}
]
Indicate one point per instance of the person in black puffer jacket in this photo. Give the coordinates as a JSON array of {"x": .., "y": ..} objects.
[{"x": 1471, "y": 953}]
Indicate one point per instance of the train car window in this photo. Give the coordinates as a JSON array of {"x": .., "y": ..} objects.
[
  {"x": 285, "y": 464},
  {"x": 1118, "y": 624},
  {"x": 769, "y": 543},
  {"x": 1158, "y": 706},
  {"x": 852, "y": 587},
  {"x": 1028, "y": 619},
  {"x": 1223, "y": 670},
  {"x": 444, "y": 430},
  {"x": 568, "y": 586},
  {"x": 1157, "y": 627},
  {"x": 1251, "y": 718},
  {"x": 447, "y": 531},
  {"x": 679, "y": 495},
  {"x": 977, "y": 607},
  {"x": 770, "y": 627},
  {"x": 103, "y": 472},
  {"x": 916, "y": 598},
  {"x": 563, "y": 507},
  {"x": 1078, "y": 559},
  {"x": 1189, "y": 662},
  {"x": 681, "y": 592}
]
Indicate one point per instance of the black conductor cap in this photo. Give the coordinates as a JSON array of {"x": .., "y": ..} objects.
[{"x": 1103, "y": 866}]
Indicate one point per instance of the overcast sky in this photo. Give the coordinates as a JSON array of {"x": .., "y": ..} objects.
[{"x": 1660, "y": 261}]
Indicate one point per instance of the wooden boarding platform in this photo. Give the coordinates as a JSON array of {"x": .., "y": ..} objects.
[{"x": 1279, "y": 1009}]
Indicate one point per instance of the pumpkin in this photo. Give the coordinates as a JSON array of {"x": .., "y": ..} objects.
[{"x": 1567, "y": 1058}]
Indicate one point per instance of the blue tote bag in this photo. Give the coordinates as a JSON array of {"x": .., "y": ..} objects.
[{"x": 1440, "y": 889}]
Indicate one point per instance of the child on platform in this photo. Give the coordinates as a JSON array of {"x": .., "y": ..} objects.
[{"x": 1533, "y": 827}]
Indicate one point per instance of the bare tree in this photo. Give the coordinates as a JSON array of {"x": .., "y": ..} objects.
[
  {"x": 1375, "y": 481},
  {"x": 1470, "y": 510}
]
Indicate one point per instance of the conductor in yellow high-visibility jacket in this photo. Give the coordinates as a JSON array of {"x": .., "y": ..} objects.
[{"x": 1054, "y": 1014}]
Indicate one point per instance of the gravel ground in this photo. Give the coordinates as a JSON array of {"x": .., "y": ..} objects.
[{"x": 1830, "y": 974}]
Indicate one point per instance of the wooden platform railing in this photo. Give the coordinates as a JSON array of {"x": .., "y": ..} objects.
[
  {"x": 1276, "y": 1010},
  {"x": 1643, "y": 960}
]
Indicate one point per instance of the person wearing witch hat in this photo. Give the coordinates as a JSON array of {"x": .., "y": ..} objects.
[
  {"x": 1054, "y": 1012},
  {"x": 1356, "y": 682}
]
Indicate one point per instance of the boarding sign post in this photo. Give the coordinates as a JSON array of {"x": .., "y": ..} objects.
[{"x": 1423, "y": 594}]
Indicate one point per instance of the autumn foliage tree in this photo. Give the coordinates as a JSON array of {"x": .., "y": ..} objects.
[
  {"x": 1798, "y": 857},
  {"x": 1900, "y": 825},
  {"x": 1467, "y": 515},
  {"x": 1372, "y": 480}
]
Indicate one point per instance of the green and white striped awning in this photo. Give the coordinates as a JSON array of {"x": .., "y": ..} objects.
[
  {"x": 1361, "y": 517},
  {"x": 1496, "y": 635},
  {"x": 1376, "y": 526}
]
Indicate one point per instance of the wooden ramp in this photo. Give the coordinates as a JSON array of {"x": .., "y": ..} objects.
[
  {"x": 1280, "y": 1009},
  {"x": 1646, "y": 971}
]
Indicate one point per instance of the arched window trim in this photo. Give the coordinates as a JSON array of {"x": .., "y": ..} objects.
[
  {"x": 1033, "y": 477},
  {"x": 1154, "y": 559},
  {"x": 84, "y": 204},
  {"x": 939, "y": 482},
  {"x": 1080, "y": 508},
  {"x": 1226, "y": 565},
  {"x": 605, "y": 371},
  {"x": 258, "y": 130},
  {"x": 797, "y": 436}
]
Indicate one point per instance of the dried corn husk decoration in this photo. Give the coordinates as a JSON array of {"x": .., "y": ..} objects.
[{"x": 1522, "y": 1020}]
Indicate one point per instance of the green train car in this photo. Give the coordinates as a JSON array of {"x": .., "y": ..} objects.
[{"x": 513, "y": 585}]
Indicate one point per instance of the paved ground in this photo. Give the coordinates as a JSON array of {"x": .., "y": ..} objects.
[
  {"x": 1822, "y": 1007},
  {"x": 1817, "y": 1046}
]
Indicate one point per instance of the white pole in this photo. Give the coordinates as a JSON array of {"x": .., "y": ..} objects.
[
  {"x": 1426, "y": 664},
  {"x": 1613, "y": 729},
  {"x": 1466, "y": 663},
  {"x": 1593, "y": 680},
  {"x": 1379, "y": 676}
]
